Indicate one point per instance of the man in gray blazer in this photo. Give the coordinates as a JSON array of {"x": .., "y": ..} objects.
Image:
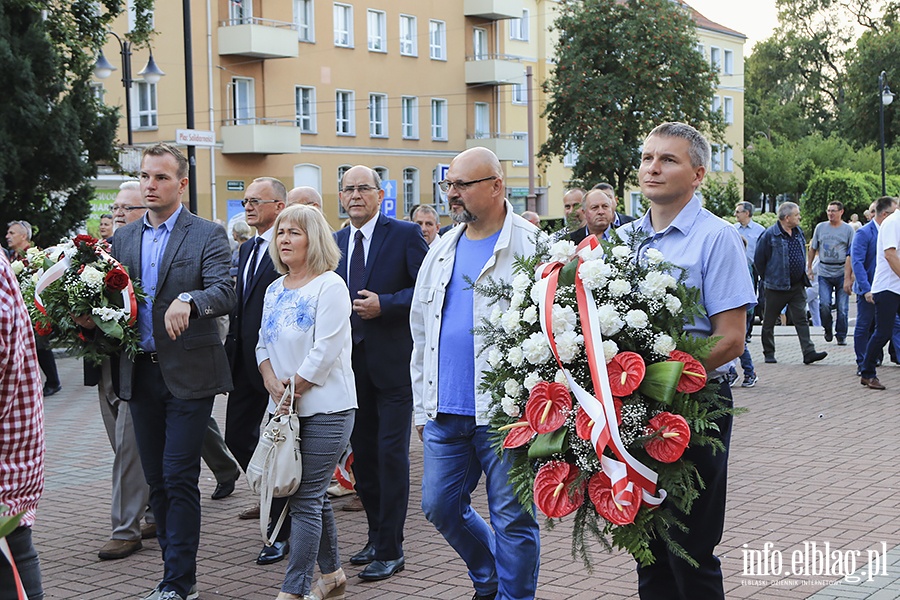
[{"x": 182, "y": 263}]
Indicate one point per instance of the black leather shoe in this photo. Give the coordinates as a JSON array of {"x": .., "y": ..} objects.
[
  {"x": 478, "y": 596},
  {"x": 364, "y": 556},
  {"x": 771, "y": 360},
  {"x": 223, "y": 490},
  {"x": 814, "y": 357},
  {"x": 274, "y": 553},
  {"x": 382, "y": 569},
  {"x": 49, "y": 390}
]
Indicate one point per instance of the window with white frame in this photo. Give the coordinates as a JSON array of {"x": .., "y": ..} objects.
[
  {"x": 717, "y": 103},
  {"x": 383, "y": 174},
  {"x": 637, "y": 204},
  {"x": 728, "y": 159},
  {"x": 437, "y": 39},
  {"x": 340, "y": 175},
  {"x": 410, "y": 189},
  {"x": 438, "y": 119},
  {"x": 716, "y": 162},
  {"x": 518, "y": 28},
  {"x": 305, "y": 108},
  {"x": 480, "y": 43},
  {"x": 570, "y": 159},
  {"x": 409, "y": 117},
  {"x": 728, "y": 65},
  {"x": 240, "y": 12},
  {"x": 702, "y": 50},
  {"x": 343, "y": 25},
  {"x": 243, "y": 105},
  {"x": 521, "y": 135},
  {"x": 728, "y": 106},
  {"x": 377, "y": 30},
  {"x": 482, "y": 120},
  {"x": 133, "y": 15},
  {"x": 408, "y": 44},
  {"x": 97, "y": 91},
  {"x": 146, "y": 116},
  {"x": 519, "y": 94},
  {"x": 715, "y": 58},
  {"x": 303, "y": 17},
  {"x": 343, "y": 112},
  {"x": 378, "y": 115}
]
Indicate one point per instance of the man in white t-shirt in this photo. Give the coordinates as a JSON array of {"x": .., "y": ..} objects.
[{"x": 886, "y": 293}]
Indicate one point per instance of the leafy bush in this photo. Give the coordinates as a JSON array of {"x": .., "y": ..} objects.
[{"x": 855, "y": 190}]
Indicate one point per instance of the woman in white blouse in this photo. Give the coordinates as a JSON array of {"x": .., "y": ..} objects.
[{"x": 305, "y": 334}]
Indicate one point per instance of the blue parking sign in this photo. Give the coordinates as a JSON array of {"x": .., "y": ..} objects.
[{"x": 389, "y": 204}]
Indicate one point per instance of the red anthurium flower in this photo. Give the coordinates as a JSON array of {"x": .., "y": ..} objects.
[
  {"x": 547, "y": 406},
  {"x": 626, "y": 371},
  {"x": 553, "y": 492},
  {"x": 520, "y": 433},
  {"x": 693, "y": 378},
  {"x": 584, "y": 423},
  {"x": 601, "y": 494},
  {"x": 674, "y": 436}
]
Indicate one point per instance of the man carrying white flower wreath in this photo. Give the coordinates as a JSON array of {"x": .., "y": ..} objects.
[
  {"x": 451, "y": 410},
  {"x": 674, "y": 161}
]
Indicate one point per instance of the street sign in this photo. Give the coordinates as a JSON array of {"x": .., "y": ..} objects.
[
  {"x": 234, "y": 186},
  {"x": 389, "y": 203},
  {"x": 195, "y": 137}
]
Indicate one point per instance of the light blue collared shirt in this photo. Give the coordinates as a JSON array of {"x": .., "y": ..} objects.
[
  {"x": 153, "y": 245},
  {"x": 710, "y": 251},
  {"x": 750, "y": 232}
]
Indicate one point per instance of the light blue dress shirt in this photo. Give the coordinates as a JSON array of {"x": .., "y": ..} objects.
[
  {"x": 153, "y": 245},
  {"x": 750, "y": 232}
]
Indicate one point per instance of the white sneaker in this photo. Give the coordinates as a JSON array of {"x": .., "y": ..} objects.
[
  {"x": 193, "y": 594},
  {"x": 337, "y": 491}
]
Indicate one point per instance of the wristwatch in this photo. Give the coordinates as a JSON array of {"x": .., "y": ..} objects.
[{"x": 185, "y": 297}]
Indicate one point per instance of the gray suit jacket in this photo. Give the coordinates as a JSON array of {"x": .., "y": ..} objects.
[{"x": 196, "y": 261}]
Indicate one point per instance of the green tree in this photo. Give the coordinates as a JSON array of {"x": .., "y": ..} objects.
[
  {"x": 608, "y": 91},
  {"x": 53, "y": 130}
]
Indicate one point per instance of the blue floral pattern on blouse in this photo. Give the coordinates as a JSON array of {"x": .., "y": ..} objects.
[{"x": 287, "y": 309}]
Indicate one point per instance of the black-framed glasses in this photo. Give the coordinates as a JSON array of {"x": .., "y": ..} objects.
[
  {"x": 461, "y": 186},
  {"x": 257, "y": 201},
  {"x": 362, "y": 189}
]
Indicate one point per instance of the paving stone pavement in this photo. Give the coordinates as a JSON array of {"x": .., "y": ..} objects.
[{"x": 812, "y": 461}]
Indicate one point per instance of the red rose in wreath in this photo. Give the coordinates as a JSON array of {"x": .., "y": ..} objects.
[
  {"x": 673, "y": 437},
  {"x": 84, "y": 239},
  {"x": 626, "y": 372},
  {"x": 520, "y": 433},
  {"x": 693, "y": 378},
  {"x": 116, "y": 279},
  {"x": 601, "y": 494},
  {"x": 547, "y": 406},
  {"x": 584, "y": 423},
  {"x": 553, "y": 491},
  {"x": 43, "y": 328}
]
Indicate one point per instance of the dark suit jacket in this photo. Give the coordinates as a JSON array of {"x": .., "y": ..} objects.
[
  {"x": 578, "y": 235},
  {"x": 196, "y": 260},
  {"x": 395, "y": 255},
  {"x": 623, "y": 218},
  {"x": 243, "y": 329}
]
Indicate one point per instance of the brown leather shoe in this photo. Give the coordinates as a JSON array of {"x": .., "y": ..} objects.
[
  {"x": 354, "y": 505},
  {"x": 251, "y": 513},
  {"x": 114, "y": 549},
  {"x": 872, "y": 383},
  {"x": 148, "y": 531}
]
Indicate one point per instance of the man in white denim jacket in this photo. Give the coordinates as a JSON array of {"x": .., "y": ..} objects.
[{"x": 451, "y": 413}]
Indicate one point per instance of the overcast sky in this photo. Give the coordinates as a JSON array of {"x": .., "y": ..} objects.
[{"x": 756, "y": 19}]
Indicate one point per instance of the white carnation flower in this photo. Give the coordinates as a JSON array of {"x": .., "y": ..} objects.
[
  {"x": 564, "y": 318},
  {"x": 637, "y": 319},
  {"x": 594, "y": 274},
  {"x": 515, "y": 356},
  {"x": 561, "y": 378},
  {"x": 531, "y": 380},
  {"x": 654, "y": 284},
  {"x": 512, "y": 388},
  {"x": 673, "y": 304},
  {"x": 621, "y": 251},
  {"x": 568, "y": 345},
  {"x": 510, "y": 407},
  {"x": 619, "y": 287},
  {"x": 33, "y": 253},
  {"x": 671, "y": 282},
  {"x": 610, "y": 349},
  {"x": 510, "y": 321},
  {"x": 496, "y": 315},
  {"x": 589, "y": 254},
  {"x": 538, "y": 291},
  {"x": 561, "y": 251},
  {"x": 92, "y": 277},
  {"x": 536, "y": 349},
  {"x": 664, "y": 344},
  {"x": 17, "y": 266},
  {"x": 530, "y": 315},
  {"x": 515, "y": 303},
  {"x": 36, "y": 277},
  {"x": 521, "y": 283},
  {"x": 610, "y": 321},
  {"x": 495, "y": 357},
  {"x": 108, "y": 314},
  {"x": 654, "y": 256}
]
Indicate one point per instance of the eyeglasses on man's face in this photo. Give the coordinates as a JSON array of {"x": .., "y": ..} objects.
[
  {"x": 116, "y": 207},
  {"x": 462, "y": 186},
  {"x": 362, "y": 189},
  {"x": 256, "y": 201}
]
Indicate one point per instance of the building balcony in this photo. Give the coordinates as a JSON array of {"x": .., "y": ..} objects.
[
  {"x": 261, "y": 136},
  {"x": 492, "y": 9},
  {"x": 494, "y": 69},
  {"x": 505, "y": 146},
  {"x": 258, "y": 38}
]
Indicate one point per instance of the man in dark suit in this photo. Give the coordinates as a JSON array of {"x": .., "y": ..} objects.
[
  {"x": 618, "y": 219},
  {"x": 573, "y": 214},
  {"x": 264, "y": 199},
  {"x": 380, "y": 260},
  {"x": 182, "y": 262}
]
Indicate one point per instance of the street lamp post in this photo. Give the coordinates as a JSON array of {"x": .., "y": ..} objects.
[
  {"x": 886, "y": 97},
  {"x": 103, "y": 69}
]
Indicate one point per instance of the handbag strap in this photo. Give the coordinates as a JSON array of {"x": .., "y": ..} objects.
[{"x": 266, "y": 494}]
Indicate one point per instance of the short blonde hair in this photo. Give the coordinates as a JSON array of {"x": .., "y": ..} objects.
[{"x": 322, "y": 253}]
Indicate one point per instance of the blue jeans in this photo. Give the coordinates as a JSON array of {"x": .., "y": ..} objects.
[
  {"x": 841, "y": 299},
  {"x": 747, "y": 362},
  {"x": 887, "y": 309},
  {"x": 865, "y": 327},
  {"x": 27, "y": 564},
  {"x": 503, "y": 560}
]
